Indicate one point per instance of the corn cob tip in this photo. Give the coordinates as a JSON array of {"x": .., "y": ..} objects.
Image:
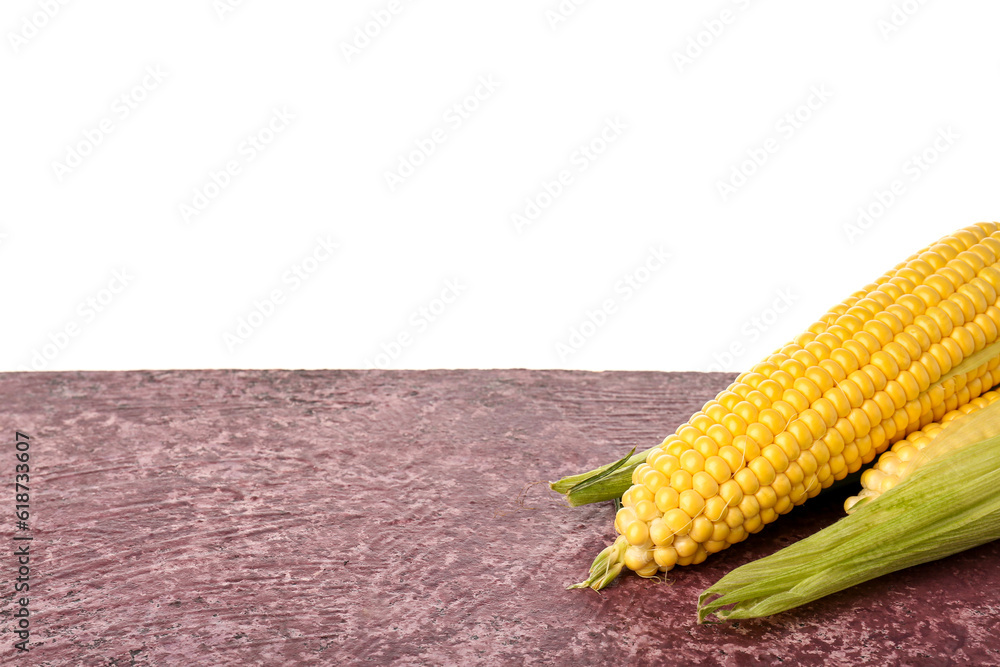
[{"x": 606, "y": 566}]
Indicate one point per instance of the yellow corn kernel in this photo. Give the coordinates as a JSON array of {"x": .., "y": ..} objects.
[
  {"x": 692, "y": 503},
  {"x": 667, "y": 464},
  {"x": 763, "y": 470},
  {"x": 654, "y": 480},
  {"x": 747, "y": 480},
  {"x": 685, "y": 546},
  {"x": 637, "y": 533},
  {"x": 766, "y": 497},
  {"x": 733, "y": 457},
  {"x": 749, "y": 507},
  {"x": 645, "y": 510},
  {"x": 640, "y": 492},
  {"x": 718, "y": 468},
  {"x": 692, "y": 461},
  {"x": 678, "y": 521},
  {"x": 660, "y": 533},
  {"x": 667, "y": 499},
  {"x": 731, "y": 492},
  {"x": 680, "y": 480},
  {"x": 701, "y": 529},
  {"x": 706, "y": 446},
  {"x": 665, "y": 557},
  {"x": 704, "y": 484},
  {"x": 623, "y": 518},
  {"x": 748, "y": 448},
  {"x": 637, "y": 558},
  {"x": 716, "y": 508},
  {"x": 768, "y": 515}
]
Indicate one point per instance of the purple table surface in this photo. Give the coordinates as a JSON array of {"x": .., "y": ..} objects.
[{"x": 398, "y": 517}]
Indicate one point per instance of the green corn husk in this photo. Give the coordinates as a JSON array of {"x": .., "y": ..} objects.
[
  {"x": 606, "y": 566},
  {"x": 947, "y": 505},
  {"x": 609, "y": 482}
]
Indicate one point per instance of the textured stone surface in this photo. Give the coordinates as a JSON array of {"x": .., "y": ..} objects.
[{"x": 336, "y": 517}]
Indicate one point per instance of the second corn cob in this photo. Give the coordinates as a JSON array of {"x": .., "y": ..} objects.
[
  {"x": 946, "y": 504},
  {"x": 894, "y": 464}
]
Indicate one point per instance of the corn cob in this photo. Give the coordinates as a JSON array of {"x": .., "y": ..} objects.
[
  {"x": 946, "y": 504},
  {"x": 906, "y": 455},
  {"x": 919, "y": 342}
]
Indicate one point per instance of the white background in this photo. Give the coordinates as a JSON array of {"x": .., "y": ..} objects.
[{"x": 895, "y": 74}]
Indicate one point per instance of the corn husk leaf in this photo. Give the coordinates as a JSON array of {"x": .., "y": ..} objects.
[
  {"x": 606, "y": 566},
  {"x": 949, "y": 504},
  {"x": 608, "y": 482}
]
